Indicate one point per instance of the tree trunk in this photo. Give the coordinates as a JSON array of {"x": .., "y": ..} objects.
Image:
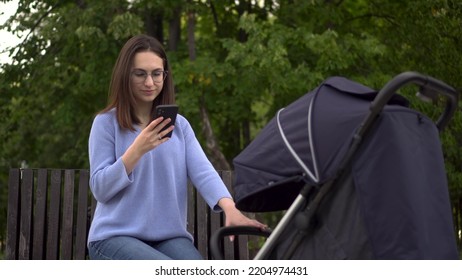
[
  {"x": 174, "y": 29},
  {"x": 458, "y": 221},
  {"x": 216, "y": 156},
  {"x": 191, "y": 39},
  {"x": 154, "y": 25},
  {"x": 244, "y": 7}
]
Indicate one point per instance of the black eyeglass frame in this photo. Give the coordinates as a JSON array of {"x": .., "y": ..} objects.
[{"x": 142, "y": 75}]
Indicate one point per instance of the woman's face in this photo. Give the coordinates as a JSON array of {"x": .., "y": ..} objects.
[{"x": 147, "y": 76}]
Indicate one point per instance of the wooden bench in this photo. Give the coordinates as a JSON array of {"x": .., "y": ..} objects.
[{"x": 50, "y": 211}]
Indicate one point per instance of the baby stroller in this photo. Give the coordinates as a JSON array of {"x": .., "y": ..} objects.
[{"x": 360, "y": 174}]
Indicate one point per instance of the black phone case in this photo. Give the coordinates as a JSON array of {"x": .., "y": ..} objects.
[{"x": 167, "y": 111}]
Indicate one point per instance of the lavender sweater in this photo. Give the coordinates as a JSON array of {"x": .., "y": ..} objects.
[{"x": 150, "y": 203}]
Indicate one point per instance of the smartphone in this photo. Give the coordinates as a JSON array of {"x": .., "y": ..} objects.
[{"x": 167, "y": 111}]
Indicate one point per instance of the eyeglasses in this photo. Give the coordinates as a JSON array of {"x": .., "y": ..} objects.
[{"x": 140, "y": 76}]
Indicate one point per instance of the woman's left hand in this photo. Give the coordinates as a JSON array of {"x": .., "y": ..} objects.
[{"x": 234, "y": 217}]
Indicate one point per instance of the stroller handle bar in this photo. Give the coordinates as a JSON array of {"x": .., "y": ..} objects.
[
  {"x": 215, "y": 239},
  {"x": 426, "y": 83}
]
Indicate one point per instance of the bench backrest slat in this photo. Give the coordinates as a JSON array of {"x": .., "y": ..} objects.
[
  {"x": 54, "y": 209},
  {"x": 26, "y": 215},
  {"x": 13, "y": 214},
  {"x": 229, "y": 247},
  {"x": 83, "y": 219},
  {"x": 67, "y": 215},
  {"x": 41, "y": 197},
  {"x": 50, "y": 211}
]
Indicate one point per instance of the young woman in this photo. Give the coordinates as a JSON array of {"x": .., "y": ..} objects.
[{"x": 138, "y": 175}]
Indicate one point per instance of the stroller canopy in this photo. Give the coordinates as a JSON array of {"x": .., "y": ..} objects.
[{"x": 305, "y": 141}]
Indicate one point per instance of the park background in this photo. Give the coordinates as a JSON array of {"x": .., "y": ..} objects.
[{"x": 235, "y": 63}]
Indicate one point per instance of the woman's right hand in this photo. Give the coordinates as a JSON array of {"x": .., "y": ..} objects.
[{"x": 149, "y": 138}]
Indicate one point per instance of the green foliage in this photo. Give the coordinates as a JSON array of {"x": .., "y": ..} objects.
[{"x": 125, "y": 25}]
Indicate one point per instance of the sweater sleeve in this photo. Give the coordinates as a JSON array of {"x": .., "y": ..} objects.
[
  {"x": 107, "y": 173},
  {"x": 201, "y": 171}
]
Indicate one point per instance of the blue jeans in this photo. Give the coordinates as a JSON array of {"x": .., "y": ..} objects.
[{"x": 130, "y": 248}]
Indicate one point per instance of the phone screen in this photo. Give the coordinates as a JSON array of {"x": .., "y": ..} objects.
[{"x": 167, "y": 111}]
